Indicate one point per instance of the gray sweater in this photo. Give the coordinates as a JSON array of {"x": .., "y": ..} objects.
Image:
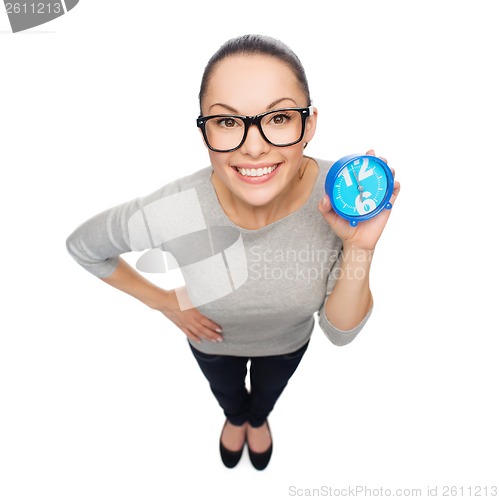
[{"x": 262, "y": 286}]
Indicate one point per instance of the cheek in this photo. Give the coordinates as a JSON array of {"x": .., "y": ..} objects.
[
  {"x": 294, "y": 154},
  {"x": 219, "y": 162}
]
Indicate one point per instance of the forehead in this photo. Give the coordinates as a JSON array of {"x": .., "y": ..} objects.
[{"x": 249, "y": 83}]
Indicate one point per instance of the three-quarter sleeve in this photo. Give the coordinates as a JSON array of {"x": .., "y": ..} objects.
[{"x": 335, "y": 335}]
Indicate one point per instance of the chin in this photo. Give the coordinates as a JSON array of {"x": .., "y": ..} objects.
[{"x": 257, "y": 198}]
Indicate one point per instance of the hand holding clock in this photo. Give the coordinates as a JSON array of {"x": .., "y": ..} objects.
[{"x": 365, "y": 233}]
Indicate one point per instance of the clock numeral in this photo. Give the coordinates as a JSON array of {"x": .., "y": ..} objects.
[
  {"x": 365, "y": 205},
  {"x": 364, "y": 173},
  {"x": 346, "y": 175}
]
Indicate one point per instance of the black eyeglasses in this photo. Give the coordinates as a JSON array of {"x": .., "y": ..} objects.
[{"x": 279, "y": 127}]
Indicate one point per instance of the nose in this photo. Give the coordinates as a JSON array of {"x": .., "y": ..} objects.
[{"x": 254, "y": 145}]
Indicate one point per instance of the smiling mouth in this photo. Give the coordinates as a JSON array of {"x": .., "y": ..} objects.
[{"x": 256, "y": 172}]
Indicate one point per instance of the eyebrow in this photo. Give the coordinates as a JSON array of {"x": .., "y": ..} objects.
[{"x": 270, "y": 106}]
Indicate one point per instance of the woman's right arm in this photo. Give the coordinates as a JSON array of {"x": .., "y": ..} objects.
[
  {"x": 97, "y": 244},
  {"x": 196, "y": 326}
]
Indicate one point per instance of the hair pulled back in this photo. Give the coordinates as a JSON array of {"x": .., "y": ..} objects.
[{"x": 256, "y": 45}]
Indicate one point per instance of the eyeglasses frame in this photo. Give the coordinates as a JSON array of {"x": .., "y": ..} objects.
[{"x": 254, "y": 120}]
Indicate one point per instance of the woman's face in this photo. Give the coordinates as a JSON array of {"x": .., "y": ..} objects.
[{"x": 250, "y": 85}]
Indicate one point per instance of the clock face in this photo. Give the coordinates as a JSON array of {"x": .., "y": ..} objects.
[{"x": 360, "y": 187}]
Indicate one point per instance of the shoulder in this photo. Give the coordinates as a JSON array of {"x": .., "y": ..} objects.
[
  {"x": 167, "y": 213},
  {"x": 195, "y": 182},
  {"x": 324, "y": 165},
  {"x": 199, "y": 178}
]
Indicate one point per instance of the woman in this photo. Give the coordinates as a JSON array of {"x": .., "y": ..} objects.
[{"x": 259, "y": 245}]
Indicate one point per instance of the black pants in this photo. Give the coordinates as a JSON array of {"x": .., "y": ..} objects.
[{"x": 269, "y": 376}]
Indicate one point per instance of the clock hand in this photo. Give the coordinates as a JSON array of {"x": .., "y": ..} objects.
[{"x": 359, "y": 187}]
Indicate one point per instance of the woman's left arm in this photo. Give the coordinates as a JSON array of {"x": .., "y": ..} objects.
[{"x": 351, "y": 298}]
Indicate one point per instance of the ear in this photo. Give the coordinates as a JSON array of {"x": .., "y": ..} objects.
[{"x": 310, "y": 126}]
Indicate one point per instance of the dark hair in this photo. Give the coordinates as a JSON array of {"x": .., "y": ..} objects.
[{"x": 252, "y": 45}]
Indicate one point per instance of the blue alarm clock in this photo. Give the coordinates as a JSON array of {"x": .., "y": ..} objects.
[{"x": 359, "y": 187}]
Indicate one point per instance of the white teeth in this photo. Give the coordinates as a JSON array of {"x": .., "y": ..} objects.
[{"x": 256, "y": 172}]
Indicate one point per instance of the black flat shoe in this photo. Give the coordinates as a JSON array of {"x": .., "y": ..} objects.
[
  {"x": 260, "y": 460},
  {"x": 229, "y": 458}
]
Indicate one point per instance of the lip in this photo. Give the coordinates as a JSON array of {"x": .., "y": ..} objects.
[{"x": 256, "y": 180}]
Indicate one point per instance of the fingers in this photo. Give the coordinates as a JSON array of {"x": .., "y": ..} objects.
[
  {"x": 200, "y": 333},
  {"x": 396, "y": 191},
  {"x": 326, "y": 209},
  {"x": 372, "y": 153},
  {"x": 208, "y": 323},
  {"x": 325, "y": 204},
  {"x": 194, "y": 325},
  {"x": 211, "y": 330},
  {"x": 191, "y": 336},
  {"x": 198, "y": 327}
]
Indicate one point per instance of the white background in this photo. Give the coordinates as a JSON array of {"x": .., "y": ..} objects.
[{"x": 101, "y": 398}]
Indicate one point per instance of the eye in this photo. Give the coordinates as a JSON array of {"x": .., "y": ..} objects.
[
  {"x": 227, "y": 122},
  {"x": 279, "y": 119}
]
